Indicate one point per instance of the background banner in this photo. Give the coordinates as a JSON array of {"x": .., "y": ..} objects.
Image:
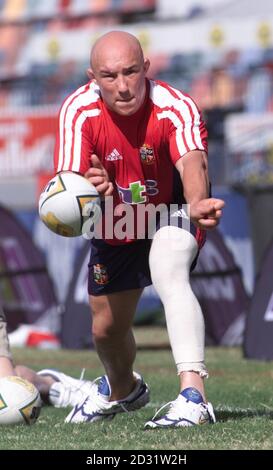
[
  {"x": 258, "y": 341},
  {"x": 27, "y": 141},
  {"x": 26, "y": 292}
]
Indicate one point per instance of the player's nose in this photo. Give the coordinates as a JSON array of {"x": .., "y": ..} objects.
[{"x": 122, "y": 84}]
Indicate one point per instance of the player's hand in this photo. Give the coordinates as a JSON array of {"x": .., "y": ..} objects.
[
  {"x": 98, "y": 176},
  {"x": 206, "y": 213}
]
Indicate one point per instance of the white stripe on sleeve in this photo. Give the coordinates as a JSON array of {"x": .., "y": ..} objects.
[
  {"x": 162, "y": 97},
  {"x": 196, "y": 121},
  {"x": 79, "y": 99},
  {"x": 61, "y": 126},
  {"x": 179, "y": 129},
  {"x": 78, "y": 137}
]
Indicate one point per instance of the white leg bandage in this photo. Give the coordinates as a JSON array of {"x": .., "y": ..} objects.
[{"x": 172, "y": 253}]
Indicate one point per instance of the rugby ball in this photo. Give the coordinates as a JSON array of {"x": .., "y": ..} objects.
[
  {"x": 67, "y": 202},
  {"x": 20, "y": 401}
]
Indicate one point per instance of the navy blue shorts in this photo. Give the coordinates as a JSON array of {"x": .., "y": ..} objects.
[{"x": 115, "y": 268}]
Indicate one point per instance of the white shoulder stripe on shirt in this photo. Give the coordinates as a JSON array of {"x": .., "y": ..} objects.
[
  {"x": 78, "y": 137},
  {"x": 81, "y": 97},
  {"x": 196, "y": 114},
  {"x": 168, "y": 114},
  {"x": 61, "y": 125},
  {"x": 187, "y": 124}
]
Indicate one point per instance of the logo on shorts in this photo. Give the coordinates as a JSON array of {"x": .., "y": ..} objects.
[
  {"x": 100, "y": 274},
  {"x": 147, "y": 154}
]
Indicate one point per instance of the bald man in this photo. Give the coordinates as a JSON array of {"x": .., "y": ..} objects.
[{"x": 142, "y": 144}]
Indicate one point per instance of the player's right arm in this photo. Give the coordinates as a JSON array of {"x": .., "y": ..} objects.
[
  {"x": 78, "y": 118},
  {"x": 74, "y": 146},
  {"x": 205, "y": 212}
]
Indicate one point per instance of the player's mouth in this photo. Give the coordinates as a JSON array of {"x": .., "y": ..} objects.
[{"x": 127, "y": 100}]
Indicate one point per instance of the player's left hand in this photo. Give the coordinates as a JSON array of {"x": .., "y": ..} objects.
[{"x": 206, "y": 213}]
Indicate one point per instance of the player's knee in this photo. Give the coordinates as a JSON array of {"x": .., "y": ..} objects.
[
  {"x": 168, "y": 273},
  {"x": 103, "y": 331},
  {"x": 171, "y": 258},
  {"x": 104, "y": 328},
  {"x": 107, "y": 333}
]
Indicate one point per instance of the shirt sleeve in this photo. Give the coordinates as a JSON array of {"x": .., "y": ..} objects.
[
  {"x": 73, "y": 146},
  {"x": 187, "y": 130}
]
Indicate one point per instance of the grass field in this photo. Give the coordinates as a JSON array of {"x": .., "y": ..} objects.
[{"x": 240, "y": 390}]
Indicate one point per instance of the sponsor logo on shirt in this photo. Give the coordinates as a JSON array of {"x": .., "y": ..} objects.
[
  {"x": 113, "y": 156},
  {"x": 147, "y": 154},
  {"x": 134, "y": 194}
]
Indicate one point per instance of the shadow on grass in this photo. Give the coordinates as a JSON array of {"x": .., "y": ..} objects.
[{"x": 225, "y": 415}]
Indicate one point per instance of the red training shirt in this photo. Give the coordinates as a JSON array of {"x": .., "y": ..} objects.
[{"x": 138, "y": 151}]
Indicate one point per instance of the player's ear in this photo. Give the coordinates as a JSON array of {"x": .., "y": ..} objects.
[
  {"x": 90, "y": 74},
  {"x": 146, "y": 65}
]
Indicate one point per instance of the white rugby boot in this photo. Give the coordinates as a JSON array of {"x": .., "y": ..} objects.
[
  {"x": 188, "y": 409},
  {"x": 97, "y": 407}
]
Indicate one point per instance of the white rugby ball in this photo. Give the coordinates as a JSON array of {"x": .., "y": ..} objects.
[
  {"x": 67, "y": 202},
  {"x": 20, "y": 401}
]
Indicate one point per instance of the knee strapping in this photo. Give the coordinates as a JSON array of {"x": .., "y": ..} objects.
[{"x": 171, "y": 255}]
